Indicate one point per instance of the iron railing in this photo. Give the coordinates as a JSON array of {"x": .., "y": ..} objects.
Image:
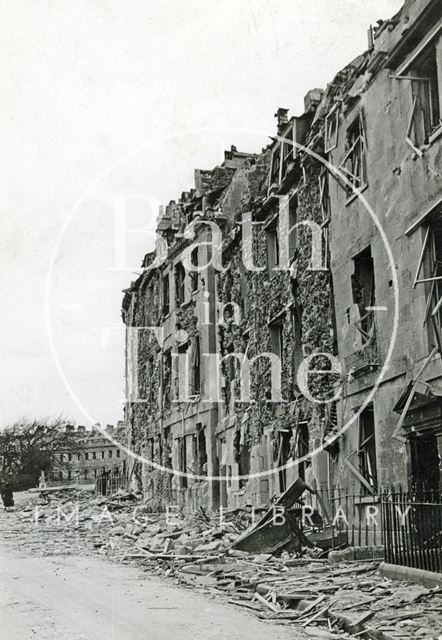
[
  {"x": 413, "y": 529},
  {"x": 110, "y": 485},
  {"x": 354, "y": 518}
]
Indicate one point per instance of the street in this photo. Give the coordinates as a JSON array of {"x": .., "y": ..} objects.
[{"x": 60, "y": 597}]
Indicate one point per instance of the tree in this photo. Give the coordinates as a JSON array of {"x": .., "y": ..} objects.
[{"x": 28, "y": 447}]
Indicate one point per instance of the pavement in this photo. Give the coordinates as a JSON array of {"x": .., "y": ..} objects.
[{"x": 85, "y": 597}]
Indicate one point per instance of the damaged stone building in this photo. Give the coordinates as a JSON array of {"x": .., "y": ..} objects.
[{"x": 288, "y": 323}]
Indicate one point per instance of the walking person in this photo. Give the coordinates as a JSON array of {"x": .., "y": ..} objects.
[{"x": 7, "y": 496}]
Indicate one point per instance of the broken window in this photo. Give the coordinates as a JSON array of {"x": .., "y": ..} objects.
[
  {"x": 276, "y": 337},
  {"x": 182, "y": 461},
  {"x": 354, "y": 164},
  {"x": 194, "y": 273},
  {"x": 244, "y": 464},
  {"x": 293, "y": 230},
  {"x": 367, "y": 447},
  {"x": 229, "y": 370},
  {"x": 288, "y": 149},
  {"x": 166, "y": 294},
  {"x": 166, "y": 376},
  {"x": 283, "y": 456},
  {"x": 429, "y": 273},
  {"x": 425, "y": 112},
  {"x": 325, "y": 205},
  {"x": 324, "y": 195},
  {"x": 180, "y": 276},
  {"x": 302, "y": 447},
  {"x": 201, "y": 457},
  {"x": 365, "y": 467},
  {"x": 297, "y": 355},
  {"x": 195, "y": 378},
  {"x": 182, "y": 371},
  {"x": 331, "y": 129},
  {"x": 272, "y": 250},
  {"x": 275, "y": 167},
  {"x": 363, "y": 289}
]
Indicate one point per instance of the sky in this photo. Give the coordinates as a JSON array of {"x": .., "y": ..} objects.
[{"x": 107, "y": 107}]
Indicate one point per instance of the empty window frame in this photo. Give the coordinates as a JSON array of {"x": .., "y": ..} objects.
[
  {"x": 277, "y": 337},
  {"x": 325, "y": 206},
  {"x": 324, "y": 194},
  {"x": 195, "y": 372},
  {"x": 194, "y": 274},
  {"x": 363, "y": 290},
  {"x": 182, "y": 461},
  {"x": 201, "y": 450},
  {"x": 180, "y": 279},
  {"x": 229, "y": 371},
  {"x": 244, "y": 287},
  {"x": 275, "y": 167},
  {"x": 425, "y": 116},
  {"x": 284, "y": 453},
  {"x": 166, "y": 378},
  {"x": 272, "y": 241},
  {"x": 429, "y": 273},
  {"x": 302, "y": 447},
  {"x": 166, "y": 294},
  {"x": 293, "y": 218},
  {"x": 288, "y": 149},
  {"x": 296, "y": 340},
  {"x": 331, "y": 129},
  {"x": 367, "y": 447},
  {"x": 354, "y": 164},
  {"x": 181, "y": 373},
  {"x": 244, "y": 464}
]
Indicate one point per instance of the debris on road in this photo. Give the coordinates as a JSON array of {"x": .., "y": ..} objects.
[{"x": 200, "y": 551}]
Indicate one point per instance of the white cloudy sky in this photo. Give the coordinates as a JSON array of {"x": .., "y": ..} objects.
[{"x": 108, "y": 98}]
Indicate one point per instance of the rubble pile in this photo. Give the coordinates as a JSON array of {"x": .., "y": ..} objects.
[{"x": 199, "y": 551}]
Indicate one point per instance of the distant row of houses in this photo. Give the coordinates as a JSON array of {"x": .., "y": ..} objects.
[{"x": 89, "y": 454}]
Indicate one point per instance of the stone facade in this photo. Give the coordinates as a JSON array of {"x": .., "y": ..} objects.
[
  {"x": 91, "y": 452},
  {"x": 357, "y": 179}
]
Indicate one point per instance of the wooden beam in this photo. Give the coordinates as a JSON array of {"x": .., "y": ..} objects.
[{"x": 411, "y": 394}]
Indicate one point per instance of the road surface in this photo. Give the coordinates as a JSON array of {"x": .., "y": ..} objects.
[{"x": 90, "y": 598}]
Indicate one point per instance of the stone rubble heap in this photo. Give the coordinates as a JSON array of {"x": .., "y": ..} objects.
[{"x": 324, "y": 600}]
